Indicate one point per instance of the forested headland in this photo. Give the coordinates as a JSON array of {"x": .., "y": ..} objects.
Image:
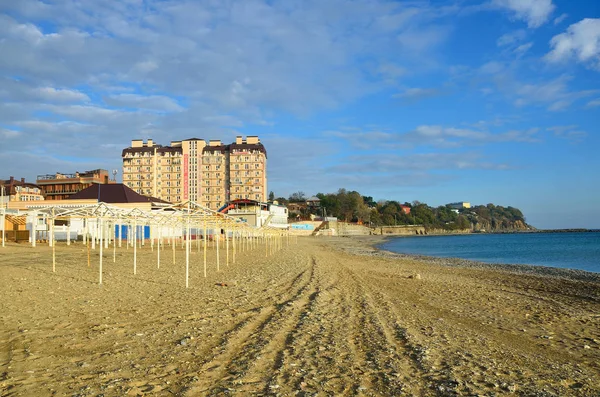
[{"x": 351, "y": 206}]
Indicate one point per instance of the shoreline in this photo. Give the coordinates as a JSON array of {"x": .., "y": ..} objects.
[{"x": 369, "y": 246}]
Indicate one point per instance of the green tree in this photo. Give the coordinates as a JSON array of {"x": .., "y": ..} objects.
[
  {"x": 463, "y": 223},
  {"x": 375, "y": 217},
  {"x": 297, "y": 197},
  {"x": 368, "y": 200},
  {"x": 271, "y": 196}
]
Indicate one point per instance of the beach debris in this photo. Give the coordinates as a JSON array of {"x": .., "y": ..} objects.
[
  {"x": 415, "y": 276},
  {"x": 231, "y": 283}
]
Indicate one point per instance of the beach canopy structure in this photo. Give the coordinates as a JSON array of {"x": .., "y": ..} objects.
[{"x": 108, "y": 223}]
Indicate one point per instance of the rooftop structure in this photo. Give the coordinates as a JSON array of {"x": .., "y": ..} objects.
[
  {"x": 61, "y": 186},
  {"x": 113, "y": 193}
]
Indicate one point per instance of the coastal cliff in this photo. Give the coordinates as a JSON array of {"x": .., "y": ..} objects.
[{"x": 496, "y": 219}]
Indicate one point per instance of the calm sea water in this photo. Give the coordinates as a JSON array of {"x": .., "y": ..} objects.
[{"x": 565, "y": 250}]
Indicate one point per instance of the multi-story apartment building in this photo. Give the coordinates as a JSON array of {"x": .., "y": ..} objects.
[
  {"x": 207, "y": 173},
  {"x": 62, "y": 186},
  {"x": 14, "y": 190},
  {"x": 248, "y": 169}
]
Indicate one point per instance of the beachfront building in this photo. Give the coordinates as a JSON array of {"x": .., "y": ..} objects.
[
  {"x": 215, "y": 174},
  {"x": 248, "y": 169},
  {"x": 18, "y": 190},
  {"x": 258, "y": 214},
  {"x": 36, "y": 226},
  {"x": 459, "y": 205},
  {"x": 61, "y": 186},
  {"x": 209, "y": 173}
]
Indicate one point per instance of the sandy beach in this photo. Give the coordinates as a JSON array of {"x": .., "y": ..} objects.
[{"x": 322, "y": 317}]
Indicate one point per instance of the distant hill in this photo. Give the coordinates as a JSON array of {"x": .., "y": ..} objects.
[{"x": 351, "y": 206}]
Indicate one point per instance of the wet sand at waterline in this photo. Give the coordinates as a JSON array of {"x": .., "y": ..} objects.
[{"x": 325, "y": 316}]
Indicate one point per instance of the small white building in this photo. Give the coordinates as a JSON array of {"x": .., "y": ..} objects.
[{"x": 258, "y": 214}]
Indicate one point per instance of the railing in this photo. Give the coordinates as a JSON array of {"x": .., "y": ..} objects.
[{"x": 17, "y": 235}]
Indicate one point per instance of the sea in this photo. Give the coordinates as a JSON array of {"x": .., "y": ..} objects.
[{"x": 569, "y": 250}]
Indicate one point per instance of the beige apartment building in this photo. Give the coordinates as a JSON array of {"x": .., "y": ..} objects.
[
  {"x": 210, "y": 174},
  {"x": 15, "y": 190}
]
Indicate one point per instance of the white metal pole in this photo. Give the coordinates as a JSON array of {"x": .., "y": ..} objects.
[
  {"x": 3, "y": 223},
  {"x": 134, "y": 237},
  {"x": 205, "y": 241},
  {"x": 114, "y": 244},
  {"x": 218, "y": 237},
  {"x": 101, "y": 246},
  {"x": 33, "y": 229},
  {"x": 158, "y": 248},
  {"x": 187, "y": 254},
  {"x": 95, "y": 230},
  {"x": 233, "y": 243},
  {"x": 53, "y": 244}
]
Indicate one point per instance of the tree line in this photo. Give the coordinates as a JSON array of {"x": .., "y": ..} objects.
[{"x": 351, "y": 206}]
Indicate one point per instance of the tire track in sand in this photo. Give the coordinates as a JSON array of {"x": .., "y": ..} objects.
[
  {"x": 244, "y": 349},
  {"x": 396, "y": 367},
  {"x": 317, "y": 356},
  {"x": 427, "y": 372},
  {"x": 342, "y": 345}
]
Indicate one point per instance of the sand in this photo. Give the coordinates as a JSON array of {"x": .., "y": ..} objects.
[{"x": 323, "y": 317}]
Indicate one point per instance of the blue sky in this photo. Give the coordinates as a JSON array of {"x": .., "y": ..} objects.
[{"x": 437, "y": 101}]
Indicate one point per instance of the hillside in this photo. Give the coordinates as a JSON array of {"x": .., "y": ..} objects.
[
  {"x": 492, "y": 218},
  {"x": 351, "y": 206}
]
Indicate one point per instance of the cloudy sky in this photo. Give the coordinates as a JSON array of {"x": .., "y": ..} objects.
[{"x": 438, "y": 101}]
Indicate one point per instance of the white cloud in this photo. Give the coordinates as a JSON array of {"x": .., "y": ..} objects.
[
  {"x": 389, "y": 164},
  {"x": 423, "y": 40},
  {"x": 581, "y": 41},
  {"x": 511, "y": 38},
  {"x": 523, "y": 48},
  {"x": 593, "y": 103},
  {"x": 432, "y": 136},
  {"x": 7, "y": 134},
  {"x": 559, "y": 105},
  {"x": 391, "y": 73},
  {"x": 148, "y": 102},
  {"x": 561, "y": 18},
  {"x": 60, "y": 95},
  {"x": 22, "y": 31},
  {"x": 417, "y": 93},
  {"x": 555, "y": 94},
  {"x": 560, "y": 129},
  {"x": 569, "y": 132},
  {"x": 534, "y": 12},
  {"x": 49, "y": 127},
  {"x": 440, "y": 136}
]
